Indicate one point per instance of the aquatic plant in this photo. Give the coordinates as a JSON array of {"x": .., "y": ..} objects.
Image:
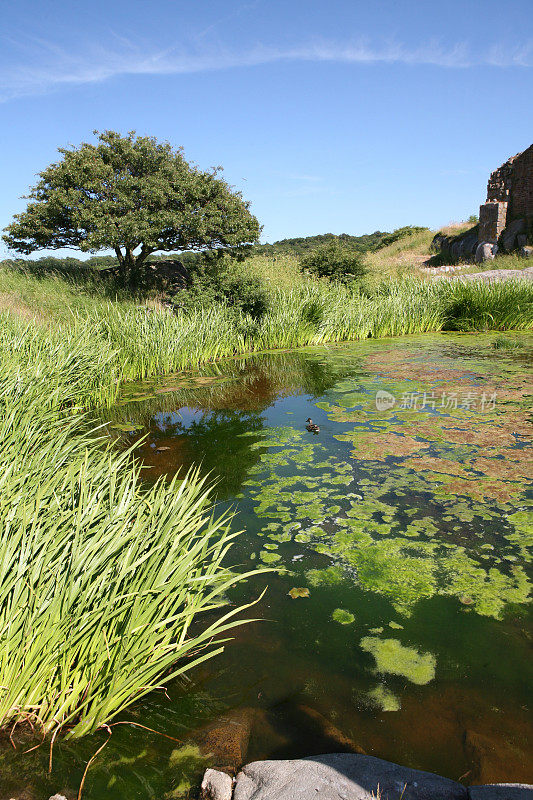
[
  {"x": 394, "y": 658},
  {"x": 342, "y": 616},
  {"x": 384, "y": 699},
  {"x": 475, "y": 472}
]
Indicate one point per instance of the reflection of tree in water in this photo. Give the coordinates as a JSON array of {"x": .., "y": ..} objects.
[
  {"x": 213, "y": 440},
  {"x": 224, "y": 411},
  {"x": 251, "y": 383}
]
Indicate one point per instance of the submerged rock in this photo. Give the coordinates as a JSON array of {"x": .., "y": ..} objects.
[
  {"x": 341, "y": 775},
  {"x": 491, "y": 759},
  {"x": 225, "y": 741},
  {"x": 325, "y": 732}
]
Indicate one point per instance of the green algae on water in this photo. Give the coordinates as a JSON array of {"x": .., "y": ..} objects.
[
  {"x": 394, "y": 658},
  {"x": 384, "y": 699},
  {"x": 342, "y": 616}
]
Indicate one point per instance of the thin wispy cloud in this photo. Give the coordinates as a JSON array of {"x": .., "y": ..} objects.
[{"x": 44, "y": 66}]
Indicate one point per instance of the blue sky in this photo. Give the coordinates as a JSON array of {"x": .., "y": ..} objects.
[{"x": 339, "y": 115}]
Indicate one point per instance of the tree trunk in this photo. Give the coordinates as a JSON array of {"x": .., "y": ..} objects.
[
  {"x": 137, "y": 271},
  {"x": 122, "y": 269},
  {"x": 130, "y": 266}
]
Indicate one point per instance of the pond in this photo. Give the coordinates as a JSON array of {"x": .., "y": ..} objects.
[{"x": 396, "y": 618}]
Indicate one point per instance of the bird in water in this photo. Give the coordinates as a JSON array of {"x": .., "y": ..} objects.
[{"x": 311, "y": 426}]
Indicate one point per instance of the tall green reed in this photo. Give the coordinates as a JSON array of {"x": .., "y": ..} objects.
[{"x": 104, "y": 582}]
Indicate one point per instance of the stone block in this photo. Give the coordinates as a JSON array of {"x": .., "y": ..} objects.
[
  {"x": 486, "y": 251},
  {"x": 492, "y": 220},
  {"x": 510, "y": 234}
]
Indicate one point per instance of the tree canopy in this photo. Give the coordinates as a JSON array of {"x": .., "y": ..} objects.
[
  {"x": 302, "y": 245},
  {"x": 134, "y": 195}
]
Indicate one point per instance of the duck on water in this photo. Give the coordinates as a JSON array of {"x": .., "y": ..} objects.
[{"x": 311, "y": 426}]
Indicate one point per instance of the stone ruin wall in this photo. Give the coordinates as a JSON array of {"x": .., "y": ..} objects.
[
  {"x": 509, "y": 196},
  {"x": 522, "y": 185}
]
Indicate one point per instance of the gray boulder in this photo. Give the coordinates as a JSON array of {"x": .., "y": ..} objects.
[
  {"x": 508, "y": 237},
  {"x": 486, "y": 251},
  {"x": 501, "y": 791},
  {"x": 341, "y": 776},
  {"x": 216, "y": 786}
]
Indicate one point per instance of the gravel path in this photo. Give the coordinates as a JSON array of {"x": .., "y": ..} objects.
[{"x": 489, "y": 275}]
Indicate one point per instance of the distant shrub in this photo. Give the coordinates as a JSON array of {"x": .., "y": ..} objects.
[
  {"x": 334, "y": 261},
  {"x": 224, "y": 280}
]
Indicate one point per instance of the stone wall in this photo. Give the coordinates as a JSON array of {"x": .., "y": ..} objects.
[
  {"x": 509, "y": 198},
  {"x": 522, "y": 185},
  {"x": 507, "y": 213}
]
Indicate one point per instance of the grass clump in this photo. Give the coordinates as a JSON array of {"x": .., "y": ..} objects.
[
  {"x": 505, "y": 343},
  {"x": 102, "y": 580},
  {"x": 483, "y": 306}
]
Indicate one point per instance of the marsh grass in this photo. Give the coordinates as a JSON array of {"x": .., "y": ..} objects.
[
  {"x": 104, "y": 582},
  {"x": 483, "y": 306},
  {"x": 505, "y": 343},
  {"x": 104, "y": 343}
]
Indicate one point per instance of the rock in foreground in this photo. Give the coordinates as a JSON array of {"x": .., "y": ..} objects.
[
  {"x": 501, "y": 791},
  {"x": 341, "y": 776},
  {"x": 216, "y": 786}
]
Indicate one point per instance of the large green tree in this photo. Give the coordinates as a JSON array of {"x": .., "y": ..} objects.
[{"x": 134, "y": 195}]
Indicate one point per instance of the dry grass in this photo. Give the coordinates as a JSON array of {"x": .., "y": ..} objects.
[
  {"x": 15, "y": 304},
  {"x": 279, "y": 271},
  {"x": 399, "y": 259},
  {"x": 503, "y": 261},
  {"x": 455, "y": 228}
]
